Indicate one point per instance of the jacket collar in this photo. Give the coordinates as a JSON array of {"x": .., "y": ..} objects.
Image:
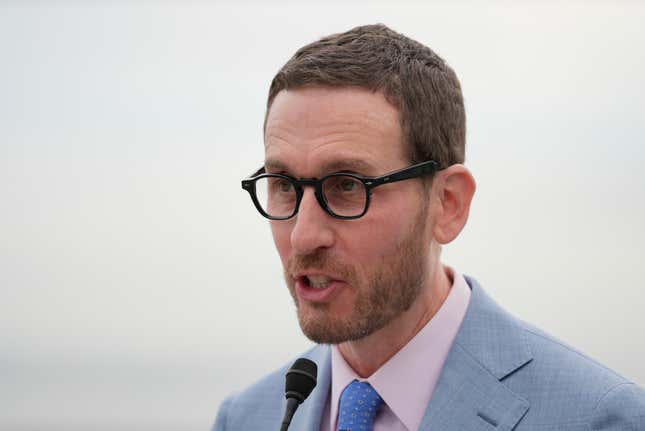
[
  {"x": 493, "y": 336},
  {"x": 470, "y": 395}
]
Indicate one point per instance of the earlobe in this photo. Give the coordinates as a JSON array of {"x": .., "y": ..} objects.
[{"x": 455, "y": 190}]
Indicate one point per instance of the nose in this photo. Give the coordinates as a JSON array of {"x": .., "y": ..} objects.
[{"x": 312, "y": 229}]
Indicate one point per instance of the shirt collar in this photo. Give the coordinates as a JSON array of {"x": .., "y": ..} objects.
[{"x": 408, "y": 393}]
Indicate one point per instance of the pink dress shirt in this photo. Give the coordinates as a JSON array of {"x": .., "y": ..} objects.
[{"x": 407, "y": 380}]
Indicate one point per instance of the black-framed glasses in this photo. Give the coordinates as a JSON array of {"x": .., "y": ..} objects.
[{"x": 342, "y": 195}]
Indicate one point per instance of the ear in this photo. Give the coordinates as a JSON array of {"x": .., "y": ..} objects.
[{"x": 453, "y": 192}]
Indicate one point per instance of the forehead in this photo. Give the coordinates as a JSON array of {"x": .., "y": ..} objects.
[{"x": 310, "y": 129}]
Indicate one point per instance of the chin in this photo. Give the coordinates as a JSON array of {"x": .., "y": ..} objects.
[{"x": 321, "y": 328}]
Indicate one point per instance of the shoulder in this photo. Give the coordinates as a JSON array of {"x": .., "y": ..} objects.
[
  {"x": 261, "y": 405},
  {"x": 569, "y": 384},
  {"x": 263, "y": 399},
  {"x": 564, "y": 385},
  {"x": 622, "y": 407}
]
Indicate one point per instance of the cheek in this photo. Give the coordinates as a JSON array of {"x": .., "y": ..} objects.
[
  {"x": 389, "y": 226},
  {"x": 369, "y": 243},
  {"x": 382, "y": 233}
]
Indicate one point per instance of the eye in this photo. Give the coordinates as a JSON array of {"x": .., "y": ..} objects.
[
  {"x": 284, "y": 186},
  {"x": 277, "y": 185},
  {"x": 348, "y": 185},
  {"x": 343, "y": 185}
]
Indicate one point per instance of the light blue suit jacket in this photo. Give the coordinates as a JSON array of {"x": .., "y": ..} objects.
[{"x": 501, "y": 374}]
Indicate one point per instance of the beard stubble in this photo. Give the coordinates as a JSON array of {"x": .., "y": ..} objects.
[{"x": 391, "y": 289}]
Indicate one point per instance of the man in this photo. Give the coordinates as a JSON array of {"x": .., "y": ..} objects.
[{"x": 363, "y": 182}]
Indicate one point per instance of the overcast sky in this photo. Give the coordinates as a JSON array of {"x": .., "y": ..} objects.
[{"x": 139, "y": 286}]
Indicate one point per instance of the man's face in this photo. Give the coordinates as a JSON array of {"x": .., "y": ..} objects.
[{"x": 348, "y": 278}]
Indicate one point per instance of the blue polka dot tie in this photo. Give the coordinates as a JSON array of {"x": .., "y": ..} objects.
[{"x": 359, "y": 404}]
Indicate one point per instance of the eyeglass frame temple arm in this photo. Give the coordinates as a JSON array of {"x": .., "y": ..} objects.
[{"x": 417, "y": 170}]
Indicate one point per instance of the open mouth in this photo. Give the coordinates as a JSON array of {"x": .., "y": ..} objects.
[
  {"x": 315, "y": 281},
  {"x": 317, "y": 288}
]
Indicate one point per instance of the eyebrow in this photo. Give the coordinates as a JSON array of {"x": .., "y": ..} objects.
[{"x": 356, "y": 165}]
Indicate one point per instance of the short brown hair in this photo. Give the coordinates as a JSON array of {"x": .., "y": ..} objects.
[{"x": 412, "y": 77}]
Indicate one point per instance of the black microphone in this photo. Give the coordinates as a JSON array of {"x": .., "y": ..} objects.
[{"x": 301, "y": 380}]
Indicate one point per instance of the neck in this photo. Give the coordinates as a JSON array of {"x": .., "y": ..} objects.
[{"x": 369, "y": 353}]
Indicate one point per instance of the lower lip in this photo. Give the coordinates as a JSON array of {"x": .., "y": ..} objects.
[{"x": 316, "y": 295}]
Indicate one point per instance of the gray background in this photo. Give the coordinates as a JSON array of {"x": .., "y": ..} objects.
[{"x": 138, "y": 286}]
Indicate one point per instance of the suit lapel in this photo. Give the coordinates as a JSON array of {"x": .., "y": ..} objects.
[
  {"x": 469, "y": 398},
  {"x": 470, "y": 395}
]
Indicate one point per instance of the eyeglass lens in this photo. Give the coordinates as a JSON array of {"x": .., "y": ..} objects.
[{"x": 345, "y": 195}]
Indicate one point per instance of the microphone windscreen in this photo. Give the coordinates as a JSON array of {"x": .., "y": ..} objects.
[{"x": 301, "y": 379}]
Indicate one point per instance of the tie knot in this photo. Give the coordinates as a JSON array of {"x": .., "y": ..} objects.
[{"x": 359, "y": 404}]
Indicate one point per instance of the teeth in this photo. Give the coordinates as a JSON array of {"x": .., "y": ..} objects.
[{"x": 318, "y": 281}]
